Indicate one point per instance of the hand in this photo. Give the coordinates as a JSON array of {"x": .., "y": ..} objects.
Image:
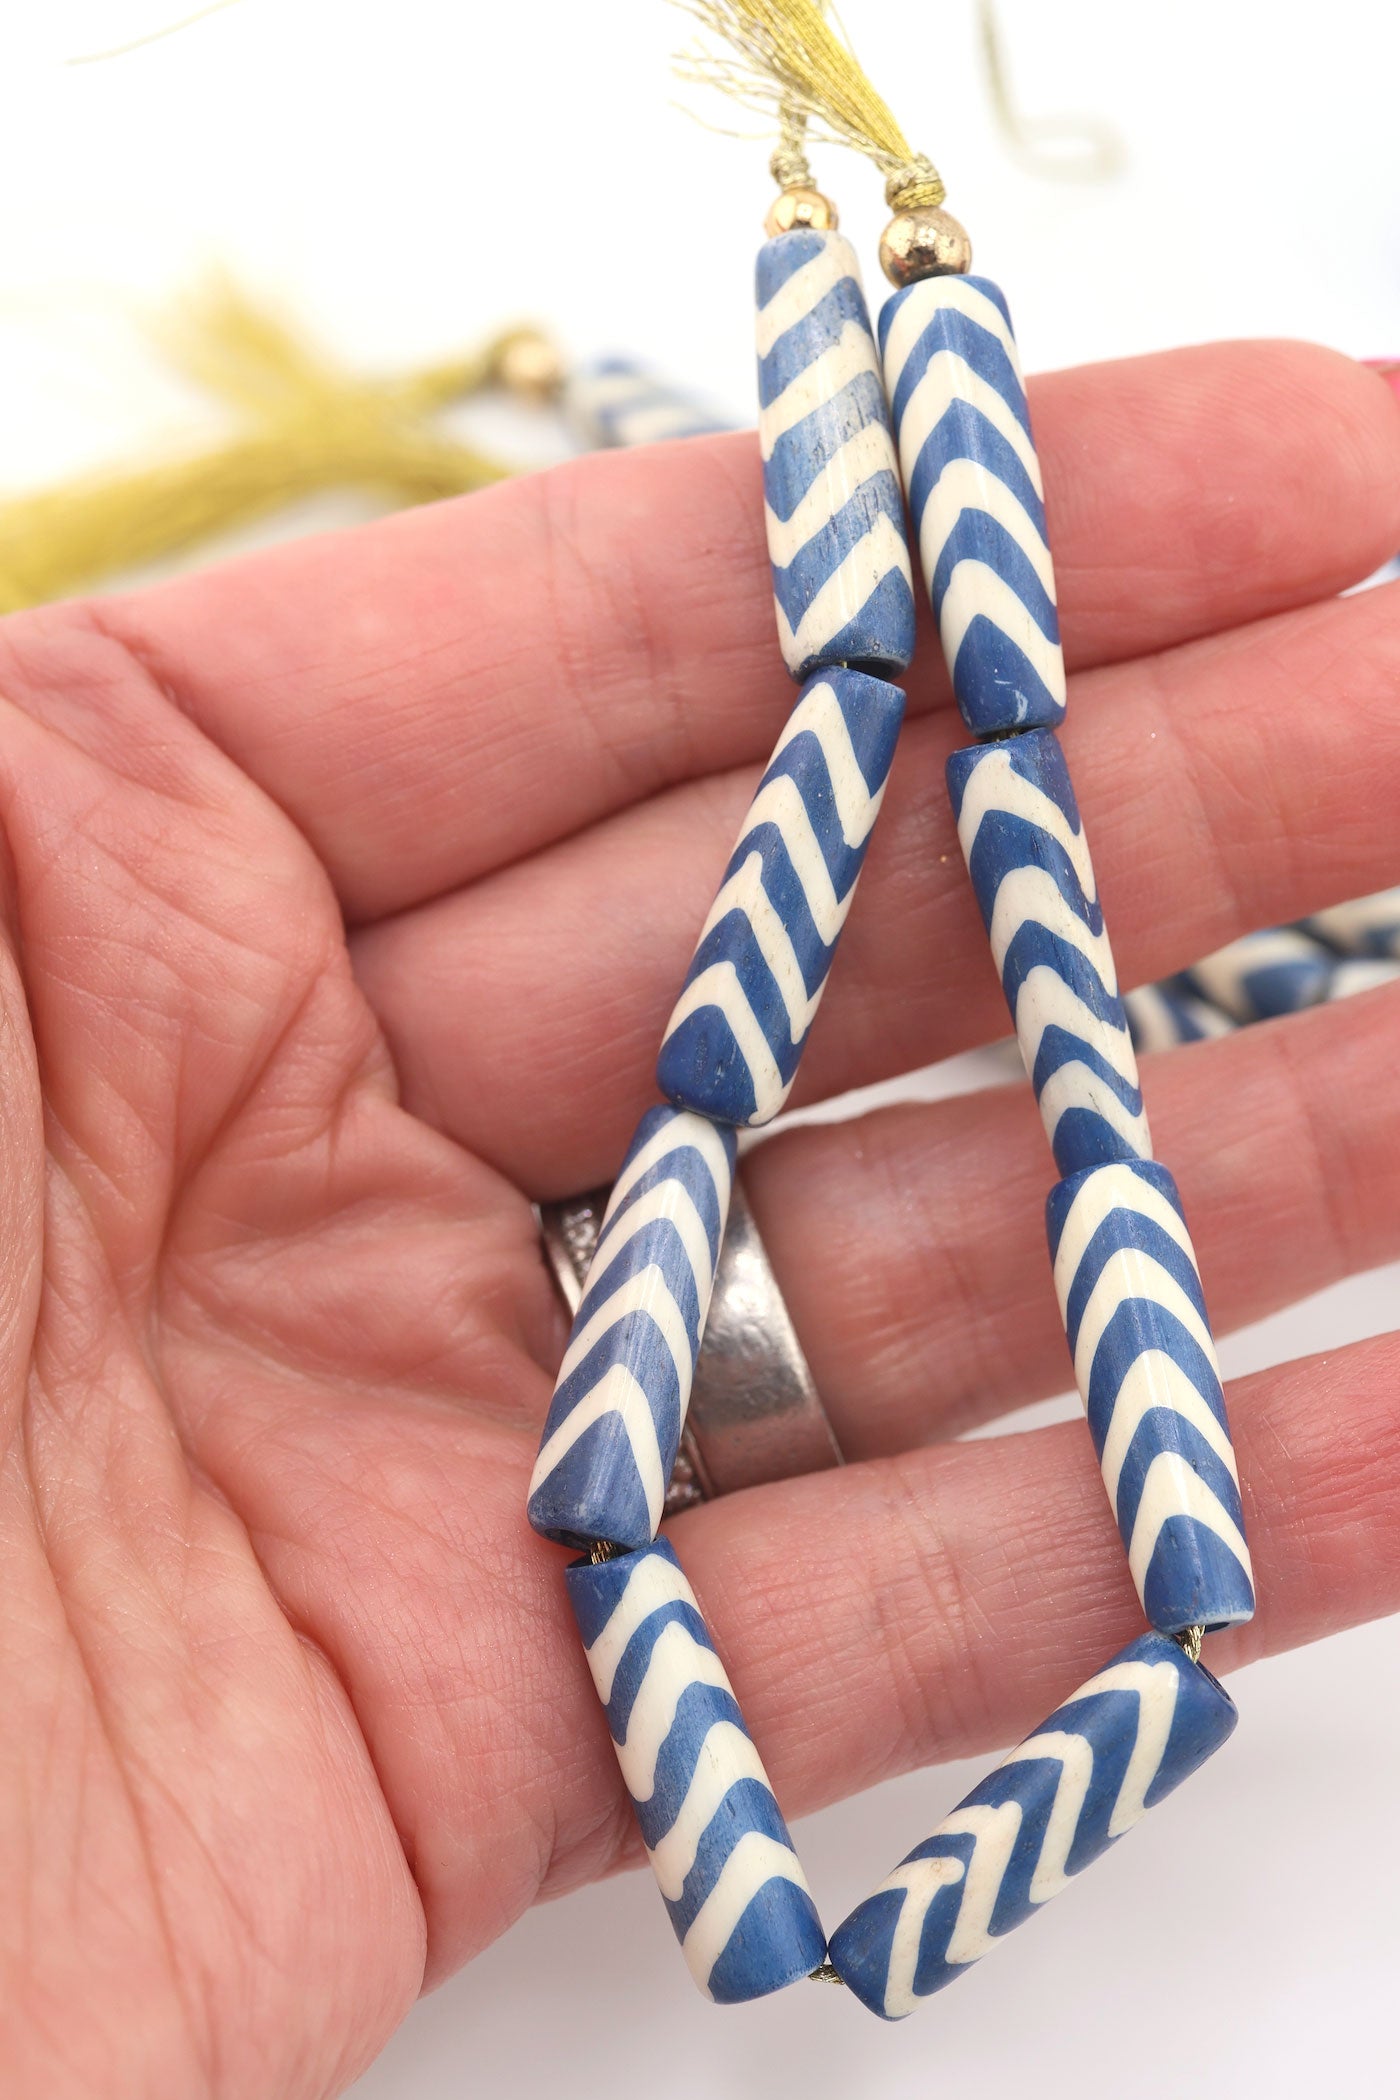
[{"x": 294, "y": 1712}]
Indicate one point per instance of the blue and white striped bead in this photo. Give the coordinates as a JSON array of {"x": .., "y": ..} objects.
[
  {"x": 975, "y": 497},
  {"x": 1144, "y": 1362},
  {"x": 615, "y": 402},
  {"x": 719, "y": 1847},
  {"x": 1092, "y": 1770},
  {"x": 733, "y": 1043},
  {"x": 1019, "y": 827},
  {"x": 1263, "y": 975},
  {"x": 1369, "y": 926},
  {"x": 614, "y": 1424},
  {"x": 842, "y": 584},
  {"x": 1163, "y": 1016}
]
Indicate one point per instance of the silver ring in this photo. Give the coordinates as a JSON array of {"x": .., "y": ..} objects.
[{"x": 754, "y": 1414}]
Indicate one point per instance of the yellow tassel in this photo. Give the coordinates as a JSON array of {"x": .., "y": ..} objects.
[
  {"x": 787, "y": 57},
  {"x": 314, "y": 428}
]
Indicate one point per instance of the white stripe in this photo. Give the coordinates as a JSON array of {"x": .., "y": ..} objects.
[
  {"x": 1076, "y": 1762},
  {"x": 974, "y": 589},
  {"x": 916, "y": 314},
  {"x": 1113, "y": 1187},
  {"x": 996, "y": 1830},
  {"x": 965, "y": 484},
  {"x": 1172, "y": 1488},
  {"x": 756, "y": 1858},
  {"x": 948, "y": 377},
  {"x": 647, "y": 1293},
  {"x": 1131, "y": 1273},
  {"x": 1029, "y": 895},
  {"x": 677, "y": 1661},
  {"x": 921, "y": 1879},
  {"x": 1222, "y": 975},
  {"x": 805, "y": 288},
  {"x": 878, "y": 553},
  {"x": 744, "y": 892},
  {"x": 819, "y": 714},
  {"x": 670, "y": 1202},
  {"x": 681, "y": 1132},
  {"x": 822, "y": 380},
  {"x": 1155, "y": 1021},
  {"x": 617, "y": 1392},
  {"x": 864, "y": 454},
  {"x": 1045, "y": 1000},
  {"x": 1155, "y": 1379},
  {"x": 725, "y": 1757},
  {"x": 719, "y": 986},
  {"x": 995, "y": 784},
  {"x": 1075, "y": 1084},
  {"x": 654, "y": 1581},
  {"x": 1156, "y": 1686}
]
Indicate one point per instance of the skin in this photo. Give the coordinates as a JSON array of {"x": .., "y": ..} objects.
[{"x": 345, "y": 893}]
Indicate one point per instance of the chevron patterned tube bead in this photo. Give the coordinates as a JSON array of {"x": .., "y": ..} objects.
[
  {"x": 843, "y": 588},
  {"x": 733, "y": 1043},
  {"x": 1021, "y": 835},
  {"x": 1092, "y": 1770},
  {"x": 1263, "y": 975},
  {"x": 718, "y": 1844},
  {"x": 614, "y": 1424},
  {"x": 1369, "y": 926},
  {"x": 975, "y": 499},
  {"x": 1163, "y": 1016},
  {"x": 1144, "y": 1362},
  {"x": 617, "y": 403}
]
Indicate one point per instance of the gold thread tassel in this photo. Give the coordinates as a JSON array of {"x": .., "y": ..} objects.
[{"x": 315, "y": 428}]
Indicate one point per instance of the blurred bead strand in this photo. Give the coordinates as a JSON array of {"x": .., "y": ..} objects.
[{"x": 1124, "y": 1269}]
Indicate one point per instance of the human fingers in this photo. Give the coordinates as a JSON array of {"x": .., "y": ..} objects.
[
  {"x": 1232, "y": 783},
  {"x": 909, "y": 1247},
  {"x": 434, "y": 696}
]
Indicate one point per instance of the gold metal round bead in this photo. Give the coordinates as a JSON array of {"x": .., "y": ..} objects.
[
  {"x": 924, "y": 242},
  {"x": 529, "y": 365},
  {"x": 801, "y": 206}
]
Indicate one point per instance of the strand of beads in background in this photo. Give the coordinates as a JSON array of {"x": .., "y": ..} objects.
[{"x": 844, "y": 601}]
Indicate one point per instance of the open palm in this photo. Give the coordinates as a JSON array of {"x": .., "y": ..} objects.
[{"x": 293, "y": 1715}]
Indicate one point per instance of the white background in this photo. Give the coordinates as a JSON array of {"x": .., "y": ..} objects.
[{"x": 406, "y": 176}]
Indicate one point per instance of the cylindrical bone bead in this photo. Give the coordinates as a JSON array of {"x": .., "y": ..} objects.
[
  {"x": 1092, "y": 1770},
  {"x": 616, "y": 402},
  {"x": 1368, "y": 926},
  {"x": 975, "y": 499},
  {"x": 718, "y": 1844},
  {"x": 842, "y": 584},
  {"x": 1263, "y": 975},
  {"x": 1144, "y": 1362},
  {"x": 733, "y": 1043},
  {"x": 1162, "y": 1016},
  {"x": 614, "y": 1423},
  {"x": 1019, "y": 827}
]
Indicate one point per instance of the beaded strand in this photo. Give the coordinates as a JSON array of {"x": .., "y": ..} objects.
[{"x": 949, "y": 415}]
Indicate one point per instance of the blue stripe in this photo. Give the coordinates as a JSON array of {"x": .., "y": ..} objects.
[
  {"x": 808, "y": 448},
  {"x": 1122, "y": 1228},
  {"x": 963, "y": 431},
  {"x": 635, "y": 1660},
  {"x": 814, "y": 562},
  {"x": 1139, "y": 1325},
  {"x": 978, "y": 348},
  {"x": 977, "y": 536},
  {"x": 812, "y": 334}
]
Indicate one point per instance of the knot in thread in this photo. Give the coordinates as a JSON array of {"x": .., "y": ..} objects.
[
  {"x": 789, "y": 166},
  {"x": 912, "y": 183}
]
